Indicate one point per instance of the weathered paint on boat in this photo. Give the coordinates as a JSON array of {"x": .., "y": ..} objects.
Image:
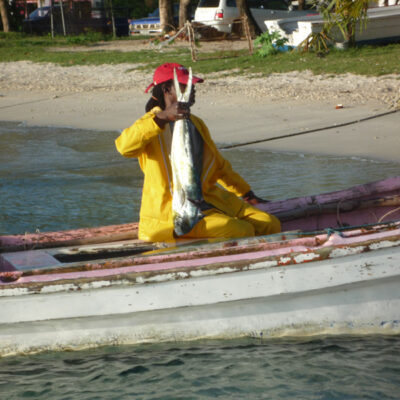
[{"x": 334, "y": 282}]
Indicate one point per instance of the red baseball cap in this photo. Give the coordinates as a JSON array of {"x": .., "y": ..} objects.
[{"x": 165, "y": 72}]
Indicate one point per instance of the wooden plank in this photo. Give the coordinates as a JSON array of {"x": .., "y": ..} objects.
[
  {"x": 338, "y": 206},
  {"x": 75, "y": 237}
]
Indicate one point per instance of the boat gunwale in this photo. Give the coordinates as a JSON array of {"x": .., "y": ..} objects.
[
  {"x": 9, "y": 243},
  {"x": 128, "y": 275},
  {"x": 222, "y": 248}
]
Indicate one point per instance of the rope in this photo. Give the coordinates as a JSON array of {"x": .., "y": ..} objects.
[
  {"x": 232, "y": 146},
  {"x": 162, "y": 44},
  {"x": 246, "y": 143},
  {"x": 388, "y": 213},
  {"x": 59, "y": 96},
  {"x": 191, "y": 40}
]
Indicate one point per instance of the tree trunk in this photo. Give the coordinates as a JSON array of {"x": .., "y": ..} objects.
[
  {"x": 4, "y": 16},
  {"x": 166, "y": 15},
  {"x": 114, "y": 31},
  {"x": 302, "y": 4},
  {"x": 62, "y": 17},
  {"x": 52, "y": 18},
  {"x": 351, "y": 35},
  {"x": 244, "y": 10},
  {"x": 183, "y": 12}
]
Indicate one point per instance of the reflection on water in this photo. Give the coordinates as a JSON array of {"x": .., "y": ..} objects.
[
  {"x": 61, "y": 178},
  {"x": 319, "y": 368}
]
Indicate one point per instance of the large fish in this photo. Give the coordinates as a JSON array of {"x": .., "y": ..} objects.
[{"x": 187, "y": 194}]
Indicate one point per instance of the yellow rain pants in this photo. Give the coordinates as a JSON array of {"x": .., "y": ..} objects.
[{"x": 250, "y": 221}]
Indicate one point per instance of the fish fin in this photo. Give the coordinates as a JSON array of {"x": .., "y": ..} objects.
[
  {"x": 183, "y": 97},
  {"x": 177, "y": 87},
  {"x": 186, "y": 95}
]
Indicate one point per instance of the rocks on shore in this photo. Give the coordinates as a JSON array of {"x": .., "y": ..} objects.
[{"x": 348, "y": 88}]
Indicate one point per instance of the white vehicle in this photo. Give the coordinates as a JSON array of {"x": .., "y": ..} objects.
[
  {"x": 217, "y": 13},
  {"x": 220, "y": 14}
]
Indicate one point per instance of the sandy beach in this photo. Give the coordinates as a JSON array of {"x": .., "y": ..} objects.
[{"x": 236, "y": 109}]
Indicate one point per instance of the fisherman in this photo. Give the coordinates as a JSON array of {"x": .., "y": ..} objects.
[{"x": 228, "y": 211}]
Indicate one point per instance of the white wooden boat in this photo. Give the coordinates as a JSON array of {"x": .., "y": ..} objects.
[
  {"x": 383, "y": 25},
  {"x": 91, "y": 287}
]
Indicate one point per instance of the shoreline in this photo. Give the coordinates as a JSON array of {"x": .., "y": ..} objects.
[{"x": 236, "y": 109}]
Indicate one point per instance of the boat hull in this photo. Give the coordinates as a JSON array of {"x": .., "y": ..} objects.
[
  {"x": 353, "y": 294},
  {"x": 383, "y": 25},
  {"x": 86, "y": 293}
]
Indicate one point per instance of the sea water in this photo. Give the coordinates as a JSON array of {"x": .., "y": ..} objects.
[
  {"x": 61, "y": 178},
  {"x": 330, "y": 368}
]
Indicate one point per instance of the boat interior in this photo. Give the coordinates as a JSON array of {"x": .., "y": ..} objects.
[{"x": 309, "y": 221}]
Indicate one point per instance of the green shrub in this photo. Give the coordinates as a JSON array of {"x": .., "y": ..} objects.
[{"x": 269, "y": 43}]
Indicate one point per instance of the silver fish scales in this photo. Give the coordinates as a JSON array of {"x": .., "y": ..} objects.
[{"x": 187, "y": 193}]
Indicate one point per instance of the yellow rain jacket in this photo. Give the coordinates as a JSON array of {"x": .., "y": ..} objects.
[{"x": 151, "y": 145}]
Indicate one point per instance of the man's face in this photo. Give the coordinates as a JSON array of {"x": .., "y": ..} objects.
[{"x": 182, "y": 87}]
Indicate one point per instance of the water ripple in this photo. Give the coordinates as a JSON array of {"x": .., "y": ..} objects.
[
  {"x": 320, "y": 368},
  {"x": 60, "y": 178}
]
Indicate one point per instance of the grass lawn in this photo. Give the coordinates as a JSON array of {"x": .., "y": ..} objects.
[{"x": 363, "y": 60}]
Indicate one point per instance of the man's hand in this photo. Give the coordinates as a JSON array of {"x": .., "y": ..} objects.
[
  {"x": 172, "y": 113},
  {"x": 252, "y": 199}
]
